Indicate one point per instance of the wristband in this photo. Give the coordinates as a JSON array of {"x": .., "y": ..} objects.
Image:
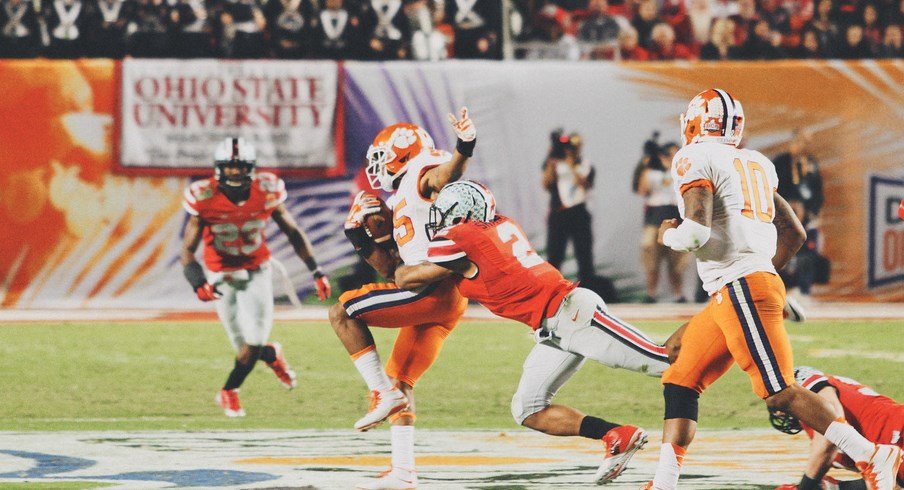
[
  {"x": 466, "y": 148},
  {"x": 807, "y": 483},
  {"x": 317, "y": 273},
  {"x": 311, "y": 264},
  {"x": 195, "y": 275}
]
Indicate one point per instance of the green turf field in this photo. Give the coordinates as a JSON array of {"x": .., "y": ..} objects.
[{"x": 129, "y": 376}]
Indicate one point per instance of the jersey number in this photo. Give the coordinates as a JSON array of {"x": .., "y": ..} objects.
[
  {"x": 250, "y": 234},
  {"x": 762, "y": 194},
  {"x": 511, "y": 235},
  {"x": 400, "y": 222}
]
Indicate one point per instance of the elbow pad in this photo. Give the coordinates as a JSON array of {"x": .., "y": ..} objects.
[{"x": 688, "y": 237}]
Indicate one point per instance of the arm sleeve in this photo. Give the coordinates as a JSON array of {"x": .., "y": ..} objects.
[
  {"x": 276, "y": 191},
  {"x": 189, "y": 201}
]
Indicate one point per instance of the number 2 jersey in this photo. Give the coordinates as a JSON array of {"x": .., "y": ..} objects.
[
  {"x": 512, "y": 280},
  {"x": 234, "y": 235},
  {"x": 743, "y": 238}
]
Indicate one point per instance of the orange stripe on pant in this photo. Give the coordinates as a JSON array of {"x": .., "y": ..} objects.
[
  {"x": 424, "y": 321},
  {"x": 742, "y": 323}
]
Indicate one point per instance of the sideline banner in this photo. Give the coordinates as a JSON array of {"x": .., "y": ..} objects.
[
  {"x": 172, "y": 112},
  {"x": 886, "y": 233}
]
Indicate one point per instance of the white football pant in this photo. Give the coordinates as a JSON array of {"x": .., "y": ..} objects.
[{"x": 246, "y": 305}]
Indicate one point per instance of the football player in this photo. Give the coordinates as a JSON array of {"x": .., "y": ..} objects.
[
  {"x": 229, "y": 211},
  {"x": 879, "y": 418},
  {"x": 402, "y": 160},
  {"x": 495, "y": 265},
  {"x": 741, "y": 231}
]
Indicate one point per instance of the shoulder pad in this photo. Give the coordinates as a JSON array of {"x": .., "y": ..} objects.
[
  {"x": 200, "y": 190},
  {"x": 269, "y": 182}
]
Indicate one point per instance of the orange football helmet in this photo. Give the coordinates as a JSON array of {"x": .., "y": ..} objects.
[
  {"x": 713, "y": 115},
  {"x": 393, "y": 148}
]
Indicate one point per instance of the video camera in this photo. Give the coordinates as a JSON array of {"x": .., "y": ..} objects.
[{"x": 561, "y": 141}]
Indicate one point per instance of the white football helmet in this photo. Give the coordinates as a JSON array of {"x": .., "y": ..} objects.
[
  {"x": 234, "y": 152},
  {"x": 713, "y": 115},
  {"x": 460, "y": 201}
]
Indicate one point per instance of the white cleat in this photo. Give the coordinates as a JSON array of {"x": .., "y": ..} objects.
[
  {"x": 794, "y": 311},
  {"x": 881, "y": 471},
  {"x": 382, "y": 405},
  {"x": 392, "y": 479},
  {"x": 621, "y": 444}
]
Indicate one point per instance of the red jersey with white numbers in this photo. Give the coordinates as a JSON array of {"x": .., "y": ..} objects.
[
  {"x": 878, "y": 418},
  {"x": 512, "y": 281},
  {"x": 234, "y": 235}
]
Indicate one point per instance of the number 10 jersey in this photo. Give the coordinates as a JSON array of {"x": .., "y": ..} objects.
[
  {"x": 234, "y": 235},
  {"x": 743, "y": 238}
]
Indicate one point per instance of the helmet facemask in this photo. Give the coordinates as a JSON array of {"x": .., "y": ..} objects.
[
  {"x": 377, "y": 172},
  {"x": 458, "y": 202},
  {"x": 784, "y": 422}
]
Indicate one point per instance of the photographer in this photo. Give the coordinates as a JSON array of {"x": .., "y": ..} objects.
[
  {"x": 568, "y": 178},
  {"x": 653, "y": 181}
]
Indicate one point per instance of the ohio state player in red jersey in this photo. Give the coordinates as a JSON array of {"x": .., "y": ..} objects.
[
  {"x": 500, "y": 269},
  {"x": 230, "y": 211},
  {"x": 877, "y": 417}
]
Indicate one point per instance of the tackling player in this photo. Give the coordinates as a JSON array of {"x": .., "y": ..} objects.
[
  {"x": 879, "y": 418},
  {"x": 741, "y": 231},
  {"x": 229, "y": 211},
  {"x": 401, "y": 160},
  {"x": 495, "y": 265}
]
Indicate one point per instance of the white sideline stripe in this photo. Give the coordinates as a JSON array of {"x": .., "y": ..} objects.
[{"x": 759, "y": 338}]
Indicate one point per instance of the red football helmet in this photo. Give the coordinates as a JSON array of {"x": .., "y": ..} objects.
[
  {"x": 713, "y": 115},
  {"x": 392, "y": 149}
]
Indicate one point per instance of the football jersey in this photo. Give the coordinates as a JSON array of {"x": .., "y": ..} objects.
[
  {"x": 512, "y": 280},
  {"x": 233, "y": 234},
  {"x": 878, "y": 418},
  {"x": 411, "y": 210},
  {"x": 743, "y": 238}
]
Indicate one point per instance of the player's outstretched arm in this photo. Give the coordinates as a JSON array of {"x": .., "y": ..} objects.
[
  {"x": 435, "y": 178},
  {"x": 791, "y": 233},
  {"x": 192, "y": 270},
  {"x": 303, "y": 249},
  {"x": 420, "y": 275}
]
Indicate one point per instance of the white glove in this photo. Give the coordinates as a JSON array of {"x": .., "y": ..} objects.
[
  {"x": 364, "y": 204},
  {"x": 463, "y": 127}
]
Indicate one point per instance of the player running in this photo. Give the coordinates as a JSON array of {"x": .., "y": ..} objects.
[
  {"x": 495, "y": 265},
  {"x": 229, "y": 211},
  {"x": 878, "y": 418},
  {"x": 401, "y": 160},
  {"x": 741, "y": 231}
]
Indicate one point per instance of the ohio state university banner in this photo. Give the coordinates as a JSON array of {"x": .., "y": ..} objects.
[{"x": 173, "y": 112}]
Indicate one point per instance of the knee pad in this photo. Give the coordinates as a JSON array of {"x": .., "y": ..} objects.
[{"x": 680, "y": 402}]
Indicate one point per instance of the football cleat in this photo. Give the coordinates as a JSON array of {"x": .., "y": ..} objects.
[
  {"x": 392, "y": 479},
  {"x": 382, "y": 405},
  {"x": 880, "y": 472},
  {"x": 794, "y": 312},
  {"x": 281, "y": 368},
  {"x": 621, "y": 444},
  {"x": 229, "y": 400}
]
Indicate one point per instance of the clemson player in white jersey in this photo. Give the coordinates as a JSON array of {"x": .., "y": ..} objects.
[
  {"x": 741, "y": 231},
  {"x": 401, "y": 160}
]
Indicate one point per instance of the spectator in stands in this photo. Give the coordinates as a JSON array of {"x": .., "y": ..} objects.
[
  {"x": 809, "y": 47},
  {"x": 599, "y": 26},
  {"x": 386, "y": 29},
  {"x": 290, "y": 23},
  {"x": 762, "y": 44},
  {"x": 431, "y": 36},
  {"x": 674, "y": 13},
  {"x": 644, "y": 21},
  {"x": 68, "y": 22},
  {"x": 477, "y": 25},
  {"x": 337, "y": 32},
  {"x": 20, "y": 35},
  {"x": 664, "y": 47},
  {"x": 722, "y": 9},
  {"x": 854, "y": 46},
  {"x": 777, "y": 16},
  {"x": 721, "y": 45},
  {"x": 107, "y": 37},
  {"x": 629, "y": 47},
  {"x": 150, "y": 38},
  {"x": 700, "y": 15},
  {"x": 892, "y": 45},
  {"x": 745, "y": 20},
  {"x": 191, "y": 32},
  {"x": 872, "y": 29},
  {"x": 243, "y": 25},
  {"x": 825, "y": 27},
  {"x": 894, "y": 13}
]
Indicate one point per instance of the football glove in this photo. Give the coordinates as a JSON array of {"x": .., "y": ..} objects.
[
  {"x": 364, "y": 204},
  {"x": 208, "y": 292},
  {"x": 463, "y": 127},
  {"x": 322, "y": 283}
]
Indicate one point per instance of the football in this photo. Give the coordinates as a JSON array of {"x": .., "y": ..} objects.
[{"x": 378, "y": 226}]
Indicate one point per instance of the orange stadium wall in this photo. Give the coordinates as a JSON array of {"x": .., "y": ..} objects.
[{"x": 77, "y": 233}]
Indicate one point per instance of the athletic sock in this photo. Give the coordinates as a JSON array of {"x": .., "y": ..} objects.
[
  {"x": 268, "y": 354},
  {"x": 594, "y": 428},
  {"x": 402, "y": 447},
  {"x": 368, "y": 363},
  {"x": 237, "y": 376},
  {"x": 850, "y": 441},
  {"x": 671, "y": 457}
]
